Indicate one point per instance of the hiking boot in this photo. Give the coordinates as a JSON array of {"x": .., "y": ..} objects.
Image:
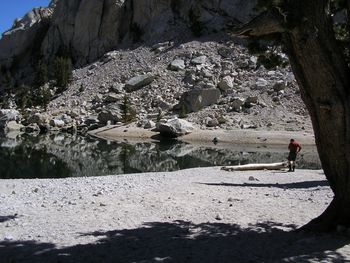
[{"x": 293, "y": 170}]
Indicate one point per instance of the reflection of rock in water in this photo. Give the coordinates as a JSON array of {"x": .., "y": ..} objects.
[
  {"x": 84, "y": 156},
  {"x": 20, "y": 160}
]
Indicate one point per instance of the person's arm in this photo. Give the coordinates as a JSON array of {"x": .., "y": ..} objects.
[{"x": 299, "y": 148}]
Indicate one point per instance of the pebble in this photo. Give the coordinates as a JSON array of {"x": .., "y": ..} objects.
[
  {"x": 8, "y": 238},
  {"x": 219, "y": 217}
]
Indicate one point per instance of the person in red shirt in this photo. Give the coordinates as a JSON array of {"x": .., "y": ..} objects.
[{"x": 294, "y": 147}]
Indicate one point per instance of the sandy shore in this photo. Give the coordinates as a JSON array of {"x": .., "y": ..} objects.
[
  {"x": 195, "y": 215},
  {"x": 204, "y": 136}
]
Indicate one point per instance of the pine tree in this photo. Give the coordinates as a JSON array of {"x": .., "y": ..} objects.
[
  {"x": 128, "y": 114},
  {"x": 45, "y": 97},
  {"x": 41, "y": 74},
  {"x": 183, "y": 111},
  {"x": 23, "y": 98},
  {"x": 63, "y": 72}
]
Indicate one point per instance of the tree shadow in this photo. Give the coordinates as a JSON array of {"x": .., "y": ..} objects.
[
  {"x": 182, "y": 241},
  {"x": 7, "y": 218},
  {"x": 297, "y": 185}
]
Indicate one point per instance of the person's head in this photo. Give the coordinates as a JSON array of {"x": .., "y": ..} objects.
[{"x": 291, "y": 140}]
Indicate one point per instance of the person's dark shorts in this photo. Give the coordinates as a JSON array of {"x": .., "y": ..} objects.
[{"x": 292, "y": 156}]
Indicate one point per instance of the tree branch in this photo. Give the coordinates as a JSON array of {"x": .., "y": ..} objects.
[{"x": 267, "y": 23}]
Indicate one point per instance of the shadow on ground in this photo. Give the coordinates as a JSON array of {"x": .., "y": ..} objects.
[
  {"x": 182, "y": 241},
  {"x": 7, "y": 218}
]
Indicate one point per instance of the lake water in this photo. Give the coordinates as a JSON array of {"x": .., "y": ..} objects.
[{"x": 59, "y": 156}]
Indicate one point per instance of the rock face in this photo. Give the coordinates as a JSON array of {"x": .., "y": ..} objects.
[
  {"x": 21, "y": 38},
  {"x": 87, "y": 29}
]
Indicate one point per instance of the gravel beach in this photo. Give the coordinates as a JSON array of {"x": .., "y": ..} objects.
[{"x": 194, "y": 215}]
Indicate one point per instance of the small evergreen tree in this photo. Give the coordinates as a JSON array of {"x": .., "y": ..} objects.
[
  {"x": 44, "y": 97},
  {"x": 8, "y": 82},
  {"x": 195, "y": 24},
  {"x": 136, "y": 32},
  {"x": 81, "y": 88},
  {"x": 4, "y": 100},
  {"x": 128, "y": 114},
  {"x": 183, "y": 111},
  {"x": 159, "y": 115},
  {"x": 23, "y": 98},
  {"x": 41, "y": 74},
  {"x": 63, "y": 72}
]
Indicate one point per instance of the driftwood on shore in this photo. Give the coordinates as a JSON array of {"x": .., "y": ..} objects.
[{"x": 255, "y": 166}]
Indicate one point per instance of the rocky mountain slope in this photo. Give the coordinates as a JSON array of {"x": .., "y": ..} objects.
[{"x": 212, "y": 80}]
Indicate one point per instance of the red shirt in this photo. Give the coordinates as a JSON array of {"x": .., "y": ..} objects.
[{"x": 294, "y": 146}]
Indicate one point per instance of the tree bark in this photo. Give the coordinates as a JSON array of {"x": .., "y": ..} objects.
[{"x": 323, "y": 78}]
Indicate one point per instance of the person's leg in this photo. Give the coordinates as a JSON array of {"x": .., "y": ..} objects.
[{"x": 289, "y": 165}]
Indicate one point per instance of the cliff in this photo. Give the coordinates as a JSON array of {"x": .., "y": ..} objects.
[{"x": 87, "y": 29}]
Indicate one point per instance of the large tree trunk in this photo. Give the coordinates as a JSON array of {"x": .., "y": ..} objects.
[{"x": 324, "y": 77}]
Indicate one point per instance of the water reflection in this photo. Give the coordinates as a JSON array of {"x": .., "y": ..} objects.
[{"x": 57, "y": 156}]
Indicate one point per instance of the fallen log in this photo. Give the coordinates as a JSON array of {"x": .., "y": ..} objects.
[{"x": 255, "y": 166}]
